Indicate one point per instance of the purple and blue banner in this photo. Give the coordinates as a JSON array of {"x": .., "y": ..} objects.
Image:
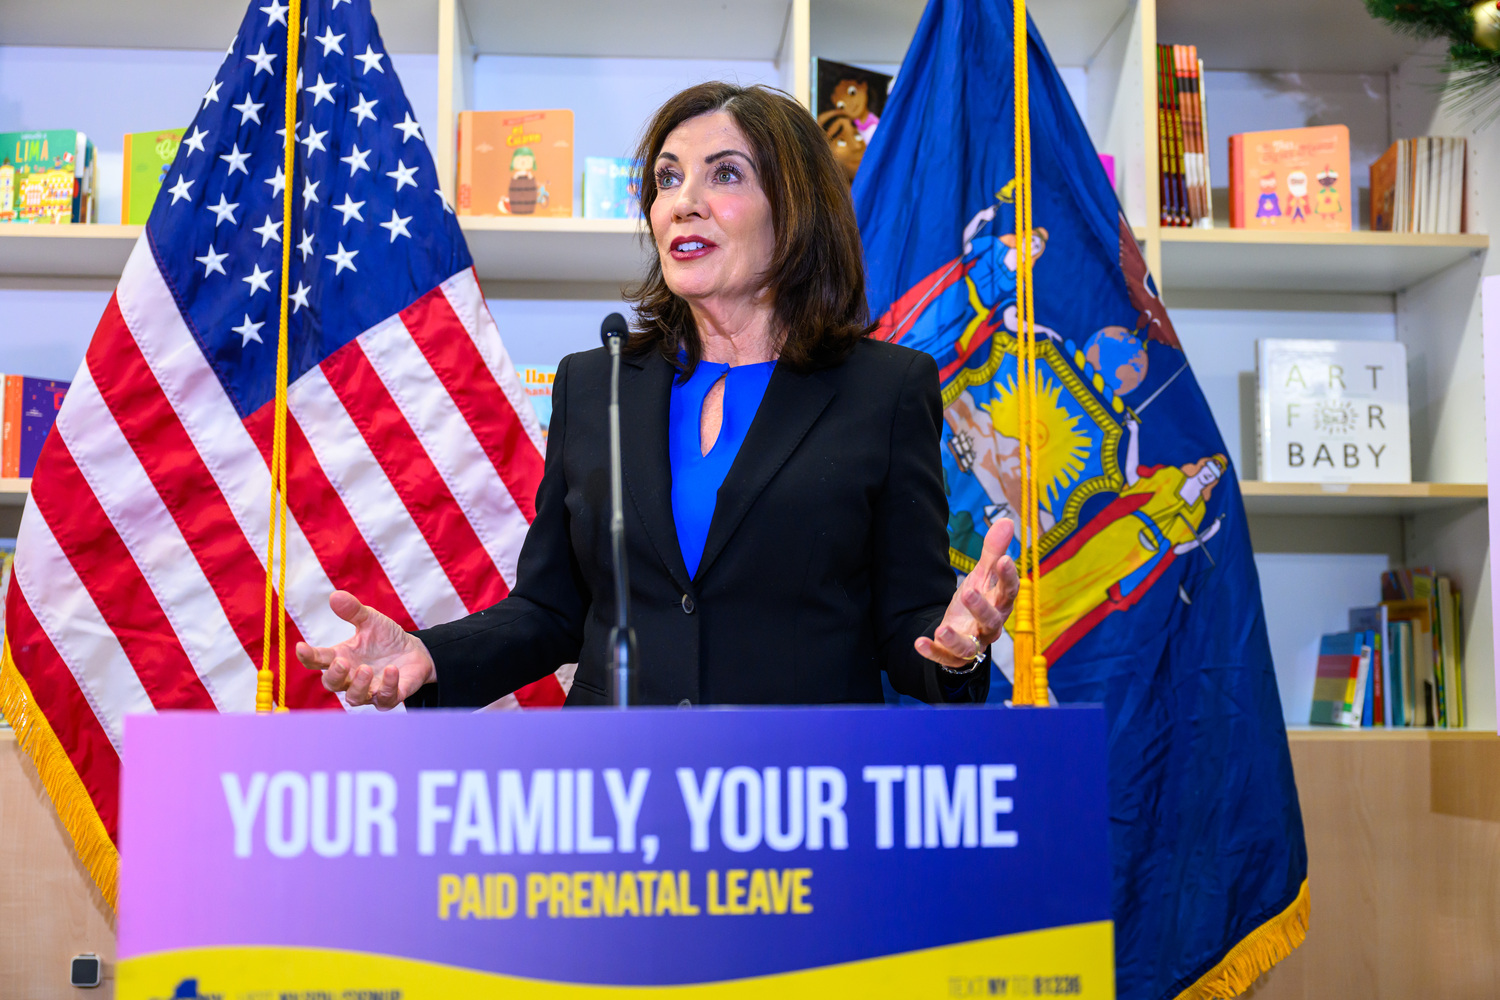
[{"x": 710, "y": 853}]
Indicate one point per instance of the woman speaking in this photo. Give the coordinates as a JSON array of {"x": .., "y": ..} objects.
[{"x": 785, "y": 515}]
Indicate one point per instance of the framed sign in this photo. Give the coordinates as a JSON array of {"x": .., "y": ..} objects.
[{"x": 818, "y": 852}]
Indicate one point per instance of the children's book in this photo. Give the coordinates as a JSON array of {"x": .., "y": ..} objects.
[
  {"x": 515, "y": 163},
  {"x": 148, "y": 156},
  {"x": 611, "y": 188},
  {"x": 30, "y": 408},
  {"x": 537, "y": 381},
  {"x": 1375, "y": 621},
  {"x": 1291, "y": 180},
  {"x": 47, "y": 177},
  {"x": 1335, "y": 688},
  {"x": 1333, "y": 411},
  {"x": 848, "y": 102},
  {"x": 1422, "y": 706}
]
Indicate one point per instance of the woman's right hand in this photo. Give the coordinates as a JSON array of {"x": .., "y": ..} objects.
[{"x": 381, "y": 664}]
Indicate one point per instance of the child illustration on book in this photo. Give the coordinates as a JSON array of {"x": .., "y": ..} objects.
[
  {"x": 524, "y": 194},
  {"x": 1113, "y": 561},
  {"x": 1327, "y": 202},
  {"x": 1267, "y": 207},
  {"x": 1297, "y": 203},
  {"x": 852, "y": 97}
]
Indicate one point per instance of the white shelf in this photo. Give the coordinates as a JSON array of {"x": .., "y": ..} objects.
[
  {"x": 1297, "y": 732},
  {"x": 1333, "y": 36},
  {"x": 551, "y": 250},
  {"x": 879, "y": 30},
  {"x": 1358, "y": 499},
  {"x": 67, "y": 251},
  {"x": 744, "y": 29},
  {"x": 405, "y": 25},
  {"x": 1252, "y": 259},
  {"x": 13, "y": 492}
]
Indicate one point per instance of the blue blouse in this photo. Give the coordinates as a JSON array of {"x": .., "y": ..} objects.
[{"x": 696, "y": 477}]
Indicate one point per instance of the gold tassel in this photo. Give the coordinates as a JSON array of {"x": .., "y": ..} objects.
[
  {"x": 1253, "y": 957},
  {"x": 1024, "y": 651},
  {"x": 74, "y": 805}
]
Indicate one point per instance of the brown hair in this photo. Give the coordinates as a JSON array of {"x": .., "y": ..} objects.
[{"x": 816, "y": 275}]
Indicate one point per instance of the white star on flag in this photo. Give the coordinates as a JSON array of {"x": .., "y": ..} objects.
[
  {"x": 275, "y": 13},
  {"x": 262, "y": 60},
  {"x": 371, "y": 60},
  {"x": 213, "y": 93},
  {"x": 277, "y": 181},
  {"x": 363, "y": 110},
  {"x": 249, "y": 331},
  {"x": 403, "y": 175},
  {"x": 299, "y": 297},
  {"x": 309, "y": 191},
  {"x": 330, "y": 41},
  {"x": 179, "y": 191},
  {"x": 212, "y": 261},
  {"x": 194, "y": 142},
  {"x": 305, "y": 247},
  {"x": 268, "y": 231},
  {"x": 344, "y": 258},
  {"x": 321, "y": 91},
  {"x": 236, "y": 160},
  {"x": 224, "y": 210},
  {"x": 314, "y": 140},
  {"x": 350, "y": 208},
  {"x": 257, "y": 280},
  {"x": 357, "y": 159},
  {"x": 397, "y": 225},
  {"x": 409, "y": 129},
  {"x": 249, "y": 110}
]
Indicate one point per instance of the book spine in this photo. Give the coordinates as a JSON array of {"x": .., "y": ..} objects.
[
  {"x": 10, "y": 432},
  {"x": 1377, "y": 681},
  {"x": 1236, "y": 183},
  {"x": 1208, "y": 179},
  {"x": 1185, "y": 130},
  {"x": 1178, "y": 153},
  {"x": 125, "y": 187},
  {"x": 1163, "y": 143}
]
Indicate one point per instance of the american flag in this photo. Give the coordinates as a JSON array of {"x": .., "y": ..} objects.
[{"x": 414, "y": 455}]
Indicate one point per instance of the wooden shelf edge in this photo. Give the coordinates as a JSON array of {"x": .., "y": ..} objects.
[
  {"x": 71, "y": 230},
  {"x": 1315, "y": 734},
  {"x": 1386, "y": 491},
  {"x": 1356, "y": 238}
]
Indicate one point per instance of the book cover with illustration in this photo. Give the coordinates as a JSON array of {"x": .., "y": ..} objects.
[
  {"x": 30, "y": 408},
  {"x": 1291, "y": 180},
  {"x": 515, "y": 162},
  {"x": 46, "y": 177},
  {"x": 148, "y": 156},
  {"x": 537, "y": 381},
  {"x": 611, "y": 189},
  {"x": 850, "y": 101}
]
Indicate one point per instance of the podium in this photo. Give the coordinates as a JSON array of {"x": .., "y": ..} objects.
[{"x": 812, "y": 852}]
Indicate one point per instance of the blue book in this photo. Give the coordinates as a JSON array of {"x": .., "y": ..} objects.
[{"x": 610, "y": 189}]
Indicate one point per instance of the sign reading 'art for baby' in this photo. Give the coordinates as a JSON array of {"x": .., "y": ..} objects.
[{"x": 1333, "y": 411}]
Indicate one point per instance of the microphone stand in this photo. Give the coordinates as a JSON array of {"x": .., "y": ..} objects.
[{"x": 622, "y": 651}]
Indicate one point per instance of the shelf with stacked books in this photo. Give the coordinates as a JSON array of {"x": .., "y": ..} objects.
[
  {"x": 1367, "y": 499},
  {"x": 1361, "y": 261}
]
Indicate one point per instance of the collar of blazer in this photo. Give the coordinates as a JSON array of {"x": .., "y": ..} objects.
[{"x": 792, "y": 404}]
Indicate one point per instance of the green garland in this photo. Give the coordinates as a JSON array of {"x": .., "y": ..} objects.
[{"x": 1473, "y": 32}]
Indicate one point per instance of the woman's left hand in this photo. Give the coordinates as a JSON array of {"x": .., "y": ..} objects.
[{"x": 976, "y": 615}]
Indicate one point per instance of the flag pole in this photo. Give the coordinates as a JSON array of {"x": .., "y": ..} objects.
[{"x": 276, "y": 541}]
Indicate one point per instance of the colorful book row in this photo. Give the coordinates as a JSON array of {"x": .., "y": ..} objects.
[{"x": 1182, "y": 136}]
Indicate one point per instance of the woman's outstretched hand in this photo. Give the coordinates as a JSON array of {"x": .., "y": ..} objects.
[
  {"x": 976, "y": 615},
  {"x": 381, "y": 664}
]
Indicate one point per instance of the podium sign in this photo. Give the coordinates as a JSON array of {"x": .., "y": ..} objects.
[{"x": 863, "y": 852}]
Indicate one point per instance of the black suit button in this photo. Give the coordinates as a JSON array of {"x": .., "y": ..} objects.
[{"x": 688, "y": 607}]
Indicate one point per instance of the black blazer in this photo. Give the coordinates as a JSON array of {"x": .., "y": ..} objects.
[{"x": 827, "y": 555}]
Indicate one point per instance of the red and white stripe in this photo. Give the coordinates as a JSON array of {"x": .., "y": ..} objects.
[{"x": 414, "y": 458}]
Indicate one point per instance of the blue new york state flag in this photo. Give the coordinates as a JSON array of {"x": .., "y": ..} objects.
[{"x": 1150, "y": 603}]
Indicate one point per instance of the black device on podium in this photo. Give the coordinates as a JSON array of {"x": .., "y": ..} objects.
[{"x": 624, "y": 669}]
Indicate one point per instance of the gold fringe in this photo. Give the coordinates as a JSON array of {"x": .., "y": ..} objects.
[
  {"x": 74, "y": 805},
  {"x": 1262, "y": 948}
]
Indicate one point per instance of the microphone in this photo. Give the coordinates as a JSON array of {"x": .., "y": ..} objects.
[{"x": 623, "y": 673}]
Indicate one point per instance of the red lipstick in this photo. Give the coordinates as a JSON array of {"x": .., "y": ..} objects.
[{"x": 691, "y": 247}]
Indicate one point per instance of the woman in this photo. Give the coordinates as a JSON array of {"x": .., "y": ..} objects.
[{"x": 784, "y": 507}]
